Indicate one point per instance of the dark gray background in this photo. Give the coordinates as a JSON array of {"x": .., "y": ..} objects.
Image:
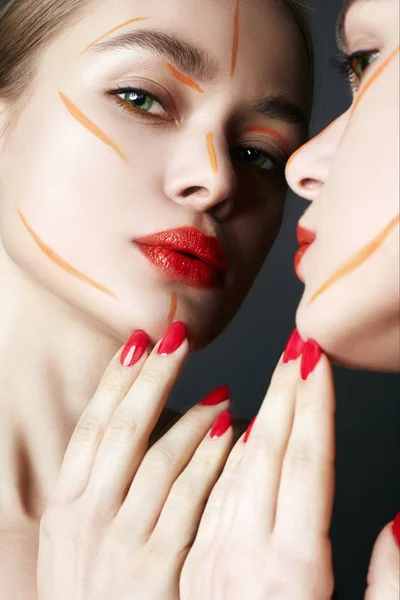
[{"x": 368, "y": 405}]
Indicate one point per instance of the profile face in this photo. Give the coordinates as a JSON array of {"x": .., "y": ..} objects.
[
  {"x": 144, "y": 181},
  {"x": 351, "y": 174}
]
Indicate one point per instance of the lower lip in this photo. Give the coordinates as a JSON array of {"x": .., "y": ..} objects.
[
  {"x": 298, "y": 259},
  {"x": 181, "y": 268}
]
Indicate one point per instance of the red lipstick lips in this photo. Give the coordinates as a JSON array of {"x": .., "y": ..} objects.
[
  {"x": 305, "y": 238},
  {"x": 187, "y": 256}
]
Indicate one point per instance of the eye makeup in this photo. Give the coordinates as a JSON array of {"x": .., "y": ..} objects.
[
  {"x": 358, "y": 258},
  {"x": 61, "y": 262},
  {"x": 184, "y": 78},
  {"x": 211, "y": 153},
  {"x": 235, "y": 44},
  {"x": 136, "y": 20},
  {"x": 273, "y": 134},
  {"x": 173, "y": 309},
  {"x": 90, "y": 126}
]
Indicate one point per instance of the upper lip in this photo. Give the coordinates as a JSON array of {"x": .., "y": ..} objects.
[
  {"x": 190, "y": 241},
  {"x": 305, "y": 237}
]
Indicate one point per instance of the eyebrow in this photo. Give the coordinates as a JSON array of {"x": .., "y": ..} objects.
[
  {"x": 282, "y": 109},
  {"x": 340, "y": 29},
  {"x": 186, "y": 56}
]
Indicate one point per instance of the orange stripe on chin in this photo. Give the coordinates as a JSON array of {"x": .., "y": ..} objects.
[
  {"x": 374, "y": 77},
  {"x": 174, "y": 307},
  {"x": 272, "y": 133},
  {"x": 90, "y": 126},
  {"x": 61, "y": 262},
  {"x": 358, "y": 258},
  {"x": 113, "y": 31},
  {"x": 235, "y": 45},
  {"x": 184, "y": 78},
  {"x": 212, "y": 153}
]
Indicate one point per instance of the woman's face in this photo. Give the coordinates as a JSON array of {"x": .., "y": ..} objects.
[
  {"x": 351, "y": 174},
  {"x": 186, "y": 121}
]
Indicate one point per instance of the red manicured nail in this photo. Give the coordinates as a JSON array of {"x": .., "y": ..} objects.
[
  {"x": 173, "y": 339},
  {"x": 396, "y": 529},
  {"x": 134, "y": 348},
  {"x": 221, "y": 425},
  {"x": 310, "y": 358},
  {"x": 217, "y": 396},
  {"x": 248, "y": 432},
  {"x": 294, "y": 348}
]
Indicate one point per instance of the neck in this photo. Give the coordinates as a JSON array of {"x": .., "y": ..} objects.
[{"x": 52, "y": 357}]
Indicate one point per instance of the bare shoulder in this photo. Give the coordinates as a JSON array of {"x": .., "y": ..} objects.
[{"x": 18, "y": 559}]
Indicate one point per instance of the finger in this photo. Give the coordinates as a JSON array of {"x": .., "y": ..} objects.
[
  {"x": 384, "y": 568},
  {"x": 307, "y": 486},
  {"x": 85, "y": 441},
  {"x": 181, "y": 514},
  {"x": 163, "y": 464},
  {"x": 256, "y": 482},
  {"x": 127, "y": 435}
]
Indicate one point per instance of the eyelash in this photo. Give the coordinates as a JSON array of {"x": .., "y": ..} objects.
[
  {"x": 279, "y": 164},
  {"x": 343, "y": 64}
]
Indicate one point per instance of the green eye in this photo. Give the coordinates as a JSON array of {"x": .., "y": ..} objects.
[
  {"x": 361, "y": 61},
  {"x": 139, "y": 101},
  {"x": 257, "y": 158}
]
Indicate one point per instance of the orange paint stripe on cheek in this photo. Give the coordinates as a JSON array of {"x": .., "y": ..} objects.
[
  {"x": 358, "y": 258},
  {"x": 272, "y": 133},
  {"x": 90, "y": 126},
  {"x": 212, "y": 153},
  {"x": 174, "y": 308},
  {"x": 374, "y": 77},
  {"x": 113, "y": 31},
  {"x": 293, "y": 156},
  {"x": 235, "y": 45},
  {"x": 61, "y": 262},
  {"x": 184, "y": 78}
]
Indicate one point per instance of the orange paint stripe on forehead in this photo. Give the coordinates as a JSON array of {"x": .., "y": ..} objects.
[
  {"x": 293, "y": 156},
  {"x": 374, "y": 77},
  {"x": 83, "y": 120},
  {"x": 113, "y": 31},
  {"x": 211, "y": 152},
  {"x": 61, "y": 262},
  {"x": 235, "y": 45},
  {"x": 174, "y": 307},
  {"x": 358, "y": 258},
  {"x": 184, "y": 78},
  {"x": 272, "y": 133}
]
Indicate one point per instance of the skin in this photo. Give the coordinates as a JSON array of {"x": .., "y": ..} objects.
[
  {"x": 352, "y": 269},
  {"x": 85, "y": 205}
]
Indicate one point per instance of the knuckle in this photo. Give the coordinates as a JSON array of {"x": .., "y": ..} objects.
[
  {"x": 152, "y": 376},
  {"x": 184, "y": 489},
  {"x": 87, "y": 430},
  {"x": 114, "y": 383},
  {"x": 161, "y": 458},
  {"x": 300, "y": 457},
  {"x": 121, "y": 430}
]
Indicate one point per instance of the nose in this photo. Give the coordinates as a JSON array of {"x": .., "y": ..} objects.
[
  {"x": 308, "y": 169},
  {"x": 200, "y": 174}
]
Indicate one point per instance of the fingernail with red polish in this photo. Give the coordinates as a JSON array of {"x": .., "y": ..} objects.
[
  {"x": 221, "y": 425},
  {"x": 173, "y": 339},
  {"x": 294, "y": 348},
  {"x": 310, "y": 358},
  {"x": 217, "y": 396},
  {"x": 396, "y": 529},
  {"x": 248, "y": 432},
  {"x": 134, "y": 348}
]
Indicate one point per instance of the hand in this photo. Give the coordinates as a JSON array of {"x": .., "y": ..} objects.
[
  {"x": 384, "y": 568},
  {"x": 264, "y": 533},
  {"x": 121, "y": 520}
]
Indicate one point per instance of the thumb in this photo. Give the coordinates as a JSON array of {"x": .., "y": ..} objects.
[{"x": 384, "y": 569}]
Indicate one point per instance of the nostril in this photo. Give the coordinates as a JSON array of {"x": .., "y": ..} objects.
[
  {"x": 195, "y": 189},
  {"x": 310, "y": 185}
]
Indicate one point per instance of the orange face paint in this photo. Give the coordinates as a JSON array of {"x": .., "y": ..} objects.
[
  {"x": 272, "y": 133},
  {"x": 184, "y": 78},
  {"x": 357, "y": 259},
  {"x": 61, "y": 262},
  {"x": 235, "y": 45},
  {"x": 83, "y": 120},
  {"x": 174, "y": 307},
  {"x": 293, "y": 156},
  {"x": 212, "y": 153},
  {"x": 374, "y": 77},
  {"x": 113, "y": 31}
]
